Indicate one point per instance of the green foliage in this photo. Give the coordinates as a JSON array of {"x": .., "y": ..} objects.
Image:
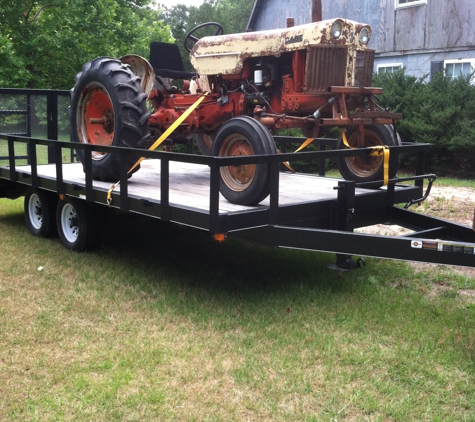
[
  {"x": 44, "y": 43},
  {"x": 231, "y": 14},
  {"x": 441, "y": 112}
]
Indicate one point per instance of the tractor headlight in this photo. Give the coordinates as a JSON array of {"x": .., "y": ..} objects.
[
  {"x": 336, "y": 29},
  {"x": 364, "y": 36}
]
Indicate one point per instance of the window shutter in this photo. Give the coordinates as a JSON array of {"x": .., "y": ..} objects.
[{"x": 436, "y": 67}]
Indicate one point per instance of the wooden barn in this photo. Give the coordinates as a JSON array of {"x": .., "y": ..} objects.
[{"x": 422, "y": 36}]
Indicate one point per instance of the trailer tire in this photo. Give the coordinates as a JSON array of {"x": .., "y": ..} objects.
[
  {"x": 108, "y": 91},
  {"x": 40, "y": 209},
  {"x": 369, "y": 169},
  {"x": 246, "y": 184},
  {"x": 76, "y": 227}
]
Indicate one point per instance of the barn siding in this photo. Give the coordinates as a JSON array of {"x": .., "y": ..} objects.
[
  {"x": 409, "y": 28},
  {"x": 450, "y": 24},
  {"x": 274, "y": 13}
]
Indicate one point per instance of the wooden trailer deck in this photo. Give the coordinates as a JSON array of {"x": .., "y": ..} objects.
[{"x": 189, "y": 186}]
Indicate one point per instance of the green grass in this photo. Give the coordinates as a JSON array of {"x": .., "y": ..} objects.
[{"x": 163, "y": 323}]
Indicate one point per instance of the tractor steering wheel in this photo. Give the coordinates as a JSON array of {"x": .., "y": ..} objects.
[{"x": 191, "y": 39}]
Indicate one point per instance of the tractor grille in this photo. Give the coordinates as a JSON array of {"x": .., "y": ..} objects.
[
  {"x": 326, "y": 66},
  {"x": 364, "y": 67}
]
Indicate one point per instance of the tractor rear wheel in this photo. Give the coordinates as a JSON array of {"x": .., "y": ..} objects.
[
  {"x": 247, "y": 184},
  {"x": 369, "y": 168},
  {"x": 108, "y": 108}
]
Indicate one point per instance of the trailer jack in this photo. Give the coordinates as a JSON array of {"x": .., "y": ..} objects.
[{"x": 345, "y": 263}]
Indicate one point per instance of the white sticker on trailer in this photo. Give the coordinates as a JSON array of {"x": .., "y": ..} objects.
[{"x": 417, "y": 244}]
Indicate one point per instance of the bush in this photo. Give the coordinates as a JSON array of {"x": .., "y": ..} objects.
[{"x": 440, "y": 112}]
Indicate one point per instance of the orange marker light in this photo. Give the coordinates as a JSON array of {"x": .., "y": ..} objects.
[{"x": 220, "y": 237}]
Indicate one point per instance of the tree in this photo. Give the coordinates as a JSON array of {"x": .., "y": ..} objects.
[{"x": 44, "y": 43}]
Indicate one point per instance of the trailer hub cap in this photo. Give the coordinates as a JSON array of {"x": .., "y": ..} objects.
[{"x": 69, "y": 223}]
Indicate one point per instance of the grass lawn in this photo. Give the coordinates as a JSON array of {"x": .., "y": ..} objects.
[{"x": 161, "y": 323}]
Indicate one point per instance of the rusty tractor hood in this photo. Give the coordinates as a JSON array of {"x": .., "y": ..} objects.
[{"x": 225, "y": 54}]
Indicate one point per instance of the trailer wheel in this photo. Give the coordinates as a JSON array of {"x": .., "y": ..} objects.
[
  {"x": 108, "y": 108},
  {"x": 76, "y": 227},
  {"x": 369, "y": 169},
  {"x": 246, "y": 184},
  {"x": 40, "y": 209}
]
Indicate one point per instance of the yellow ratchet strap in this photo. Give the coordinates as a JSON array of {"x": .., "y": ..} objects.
[
  {"x": 377, "y": 151},
  {"x": 164, "y": 136},
  {"x": 304, "y": 144}
]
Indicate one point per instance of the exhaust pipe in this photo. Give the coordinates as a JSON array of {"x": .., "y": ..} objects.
[{"x": 317, "y": 10}]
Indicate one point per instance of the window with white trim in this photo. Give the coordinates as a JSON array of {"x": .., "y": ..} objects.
[
  {"x": 388, "y": 67},
  {"x": 461, "y": 67},
  {"x": 398, "y": 4}
]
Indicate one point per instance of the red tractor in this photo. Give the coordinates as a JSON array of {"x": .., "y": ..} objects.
[{"x": 312, "y": 77}]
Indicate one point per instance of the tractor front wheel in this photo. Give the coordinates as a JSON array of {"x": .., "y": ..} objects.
[
  {"x": 369, "y": 168},
  {"x": 108, "y": 108},
  {"x": 246, "y": 184}
]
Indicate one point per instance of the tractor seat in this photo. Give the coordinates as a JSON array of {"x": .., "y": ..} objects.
[{"x": 166, "y": 61}]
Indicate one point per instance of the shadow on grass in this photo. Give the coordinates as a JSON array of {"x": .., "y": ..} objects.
[
  {"x": 193, "y": 259},
  {"x": 150, "y": 252}
]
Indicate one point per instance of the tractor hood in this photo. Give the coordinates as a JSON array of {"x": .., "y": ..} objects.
[{"x": 225, "y": 54}]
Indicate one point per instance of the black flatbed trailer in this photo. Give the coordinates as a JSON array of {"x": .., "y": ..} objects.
[{"x": 303, "y": 211}]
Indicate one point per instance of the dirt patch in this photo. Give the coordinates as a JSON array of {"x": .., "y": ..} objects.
[
  {"x": 463, "y": 296},
  {"x": 450, "y": 203},
  {"x": 456, "y": 204}
]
